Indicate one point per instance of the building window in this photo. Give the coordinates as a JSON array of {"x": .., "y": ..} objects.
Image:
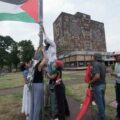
[{"x": 73, "y": 64}]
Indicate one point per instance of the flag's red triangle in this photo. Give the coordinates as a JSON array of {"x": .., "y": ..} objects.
[{"x": 31, "y": 8}]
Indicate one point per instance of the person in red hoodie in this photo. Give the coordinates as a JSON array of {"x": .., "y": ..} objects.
[{"x": 56, "y": 77}]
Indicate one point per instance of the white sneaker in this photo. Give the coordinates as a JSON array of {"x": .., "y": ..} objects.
[
  {"x": 27, "y": 118},
  {"x": 56, "y": 119}
]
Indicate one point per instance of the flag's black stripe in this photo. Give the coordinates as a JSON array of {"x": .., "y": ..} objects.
[{"x": 17, "y": 2}]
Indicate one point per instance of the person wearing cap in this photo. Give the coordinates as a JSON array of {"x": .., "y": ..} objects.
[
  {"x": 116, "y": 74},
  {"x": 98, "y": 84}
]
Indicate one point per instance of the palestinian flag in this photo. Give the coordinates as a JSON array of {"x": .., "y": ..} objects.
[{"x": 19, "y": 10}]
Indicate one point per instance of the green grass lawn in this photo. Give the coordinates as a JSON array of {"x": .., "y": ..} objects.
[
  {"x": 10, "y": 104},
  {"x": 73, "y": 75},
  {"x": 11, "y": 80},
  {"x": 77, "y": 91}
]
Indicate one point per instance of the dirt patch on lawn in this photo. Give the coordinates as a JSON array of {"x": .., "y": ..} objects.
[{"x": 11, "y": 90}]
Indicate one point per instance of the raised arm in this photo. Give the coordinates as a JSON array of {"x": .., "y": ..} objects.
[
  {"x": 52, "y": 43},
  {"x": 51, "y": 76},
  {"x": 44, "y": 60}
]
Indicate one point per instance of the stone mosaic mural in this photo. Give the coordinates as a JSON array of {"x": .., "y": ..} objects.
[{"x": 78, "y": 33}]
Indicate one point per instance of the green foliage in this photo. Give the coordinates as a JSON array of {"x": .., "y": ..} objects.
[
  {"x": 26, "y": 50},
  {"x": 12, "y": 52},
  {"x": 6, "y": 44},
  {"x": 15, "y": 55},
  {"x": 11, "y": 80},
  {"x": 113, "y": 67}
]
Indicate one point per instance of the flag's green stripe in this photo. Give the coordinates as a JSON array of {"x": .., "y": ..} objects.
[
  {"x": 23, "y": 17},
  {"x": 14, "y": 1}
]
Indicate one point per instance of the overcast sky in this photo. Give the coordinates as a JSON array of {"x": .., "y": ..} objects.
[{"x": 106, "y": 11}]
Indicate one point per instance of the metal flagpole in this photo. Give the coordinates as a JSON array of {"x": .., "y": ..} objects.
[
  {"x": 41, "y": 39},
  {"x": 41, "y": 21}
]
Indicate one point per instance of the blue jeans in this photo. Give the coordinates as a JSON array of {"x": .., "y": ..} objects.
[{"x": 99, "y": 96}]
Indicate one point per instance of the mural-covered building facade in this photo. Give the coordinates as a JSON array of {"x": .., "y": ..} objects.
[{"x": 77, "y": 33}]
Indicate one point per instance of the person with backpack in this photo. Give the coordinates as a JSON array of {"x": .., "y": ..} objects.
[
  {"x": 56, "y": 80},
  {"x": 116, "y": 74},
  {"x": 98, "y": 84}
]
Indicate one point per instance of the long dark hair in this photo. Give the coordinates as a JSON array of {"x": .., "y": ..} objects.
[
  {"x": 36, "y": 66},
  {"x": 47, "y": 46},
  {"x": 22, "y": 67},
  {"x": 60, "y": 71}
]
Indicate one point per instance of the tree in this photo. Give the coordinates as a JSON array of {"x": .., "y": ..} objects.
[
  {"x": 4, "y": 44},
  {"x": 12, "y": 52},
  {"x": 26, "y": 50},
  {"x": 15, "y": 55},
  {"x": 8, "y": 52}
]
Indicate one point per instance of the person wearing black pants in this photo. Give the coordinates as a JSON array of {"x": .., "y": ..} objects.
[
  {"x": 117, "y": 89},
  {"x": 63, "y": 109}
]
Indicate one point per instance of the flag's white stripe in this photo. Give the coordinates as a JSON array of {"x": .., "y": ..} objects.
[{"x": 9, "y": 8}]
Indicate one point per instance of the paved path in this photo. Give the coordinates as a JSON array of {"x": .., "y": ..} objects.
[
  {"x": 74, "y": 108},
  {"x": 11, "y": 90}
]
